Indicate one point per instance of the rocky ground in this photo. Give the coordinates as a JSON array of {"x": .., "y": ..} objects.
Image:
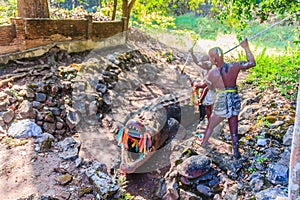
[{"x": 60, "y": 113}]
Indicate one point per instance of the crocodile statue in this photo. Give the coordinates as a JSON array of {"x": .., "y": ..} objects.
[
  {"x": 153, "y": 126},
  {"x": 146, "y": 131},
  {"x": 150, "y": 128}
]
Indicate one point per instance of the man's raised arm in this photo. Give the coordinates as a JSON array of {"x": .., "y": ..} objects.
[{"x": 250, "y": 58}]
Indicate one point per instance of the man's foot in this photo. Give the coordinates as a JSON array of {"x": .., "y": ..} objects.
[
  {"x": 236, "y": 152},
  {"x": 237, "y": 155},
  {"x": 205, "y": 144}
]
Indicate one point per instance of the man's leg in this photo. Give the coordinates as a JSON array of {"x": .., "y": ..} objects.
[
  {"x": 233, "y": 127},
  {"x": 208, "y": 110},
  {"x": 213, "y": 121}
]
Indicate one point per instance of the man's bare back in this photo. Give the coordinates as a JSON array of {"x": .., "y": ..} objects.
[
  {"x": 214, "y": 79},
  {"x": 227, "y": 102}
]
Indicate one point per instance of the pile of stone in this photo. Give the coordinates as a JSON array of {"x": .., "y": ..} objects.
[
  {"x": 265, "y": 130},
  {"x": 52, "y": 110}
]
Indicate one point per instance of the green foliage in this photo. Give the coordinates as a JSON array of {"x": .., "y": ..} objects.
[
  {"x": 237, "y": 13},
  {"x": 8, "y": 9},
  {"x": 261, "y": 160},
  {"x": 126, "y": 196},
  {"x": 14, "y": 142},
  {"x": 251, "y": 170},
  {"x": 122, "y": 183},
  {"x": 151, "y": 19},
  {"x": 194, "y": 4},
  {"x": 152, "y": 14},
  {"x": 257, "y": 159},
  {"x": 14, "y": 93},
  {"x": 279, "y": 72},
  {"x": 278, "y": 36},
  {"x": 261, "y": 120},
  {"x": 209, "y": 28}
]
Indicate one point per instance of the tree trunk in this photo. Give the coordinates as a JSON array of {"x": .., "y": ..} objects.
[
  {"x": 126, "y": 9},
  {"x": 113, "y": 17},
  {"x": 33, "y": 9}
]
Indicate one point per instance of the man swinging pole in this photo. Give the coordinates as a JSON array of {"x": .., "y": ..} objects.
[
  {"x": 223, "y": 79},
  {"x": 227, "y": 103}
]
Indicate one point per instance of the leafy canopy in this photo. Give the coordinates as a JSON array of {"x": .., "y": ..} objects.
[{"x": 239, "y": 12}]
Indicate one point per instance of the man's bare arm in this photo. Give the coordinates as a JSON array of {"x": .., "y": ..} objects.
[
  {"x": 193, "y": 56},
  {"x": 250, "y": 58},
  {"x": 204, "y": 63},
  {"x": 199, "y": 85},
  {"x": 209, "y": 79}
]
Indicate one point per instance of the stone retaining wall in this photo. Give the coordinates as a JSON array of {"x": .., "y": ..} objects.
[{"x": 28, "y": 33}]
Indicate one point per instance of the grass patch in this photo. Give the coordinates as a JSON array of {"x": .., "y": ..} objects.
[
  {"x": 14, "y": 142},
  {"x": 208, "y": 28},
  {"x": 280, "y": 72},
  {"x": 277, "y": 37}
]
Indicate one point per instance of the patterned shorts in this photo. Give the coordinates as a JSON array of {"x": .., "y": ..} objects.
[
  {"x": 209, "y": 98},
  {"x": 227, "y": 104}
]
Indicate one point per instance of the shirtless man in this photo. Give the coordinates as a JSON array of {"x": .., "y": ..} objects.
[
  {"x": 208, "y": 95},
  {"x": 227, "y": 103}
]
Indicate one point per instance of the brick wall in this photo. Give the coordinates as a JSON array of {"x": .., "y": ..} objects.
[
  {"x": 26, "y": 33},
  {"x": 44, "y": 28},
  {"x": 102, "y": 30},
  {"x": 7, "y": 34}
]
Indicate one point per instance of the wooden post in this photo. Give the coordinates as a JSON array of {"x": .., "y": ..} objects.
[
  {"x": 89, "y": 28},
  {"x": 20, "y": 32},
  {"x": 294, "y": 173},
  {"x": 125, "y": 27}
]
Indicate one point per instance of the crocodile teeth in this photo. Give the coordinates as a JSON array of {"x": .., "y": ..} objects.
[{"x": 134, "y": 128}]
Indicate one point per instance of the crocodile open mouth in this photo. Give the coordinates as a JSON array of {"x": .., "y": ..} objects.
[
  {"x": 135, "y": 127},
  {"x": 135, "y": 137},
  {"x": 148, "y": 132},
  {"x": 136, "y": 141}
]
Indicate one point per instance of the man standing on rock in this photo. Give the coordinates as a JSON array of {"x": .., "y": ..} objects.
[{"x": 227, "y": 104}]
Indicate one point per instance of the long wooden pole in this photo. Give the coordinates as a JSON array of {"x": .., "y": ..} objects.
[
  {"x": 198, "y": 36},
  {"x": 294, "y": 173},
  {"x": 261, "y": 32}
]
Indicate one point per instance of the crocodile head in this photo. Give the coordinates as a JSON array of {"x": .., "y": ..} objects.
[
  {"x": 136, "y": 141},
  {"x": 146, "y": 132},
  {"x": 135, "y": 126}
]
